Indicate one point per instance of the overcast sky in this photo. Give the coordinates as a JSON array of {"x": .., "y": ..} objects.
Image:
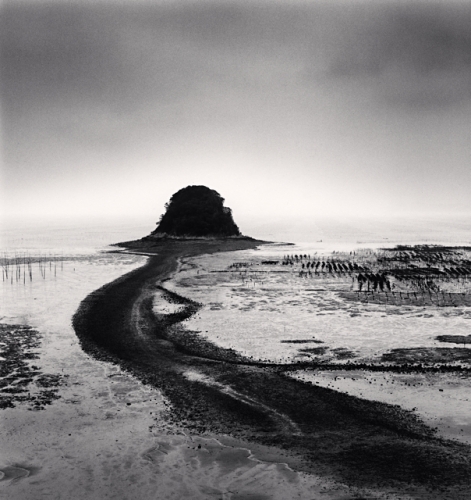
[{"x": 285, "y": 108}]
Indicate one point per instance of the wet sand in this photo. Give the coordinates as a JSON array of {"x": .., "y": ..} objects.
[{"x": 216, "y": 392}]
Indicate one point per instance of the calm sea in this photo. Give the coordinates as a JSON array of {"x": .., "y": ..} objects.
[
  {"x": 370, "y": 232},
  {"x": 87, "y": 236},
  {"x": 74, "y": 236}
]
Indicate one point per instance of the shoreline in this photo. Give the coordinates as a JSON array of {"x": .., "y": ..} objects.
[{"x": 318, "y": 430}]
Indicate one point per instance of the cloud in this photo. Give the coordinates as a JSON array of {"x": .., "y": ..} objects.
[
  {"x": 333, "y": 94},
  {"x": 415, "y": 55}
]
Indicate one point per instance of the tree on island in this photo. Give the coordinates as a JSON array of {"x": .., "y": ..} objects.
[{"x": 197, "y": 211}]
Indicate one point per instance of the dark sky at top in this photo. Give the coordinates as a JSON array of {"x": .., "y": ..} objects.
[{"x": 285, "y": 108}]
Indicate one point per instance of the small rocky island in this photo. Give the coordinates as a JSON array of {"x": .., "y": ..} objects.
[
  {"x": 195, "y": 215},
  {"x": 196, "y": 211}
]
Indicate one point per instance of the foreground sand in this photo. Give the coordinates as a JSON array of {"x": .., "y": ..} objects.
[{"x": 366, "y": 446}]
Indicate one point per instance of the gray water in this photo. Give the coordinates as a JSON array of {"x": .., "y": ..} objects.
[
  {"x": 77, "y": 236},
  {"x": 371, "y": 231},
  {"x": 73, "y": 236}
]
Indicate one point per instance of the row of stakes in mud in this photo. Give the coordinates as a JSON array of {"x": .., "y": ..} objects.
[
  {"x": 309, "y": 266},
  {"x": 368, "y": 283},
  {"x": 372, "y": 279},
  {"x": 332, "y": 266},
  {"x": 19, "y": 269},
  {"x": 329, "y": 266}
]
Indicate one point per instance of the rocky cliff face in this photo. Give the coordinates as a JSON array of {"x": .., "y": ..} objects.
[{"x": 197, "y": 211}]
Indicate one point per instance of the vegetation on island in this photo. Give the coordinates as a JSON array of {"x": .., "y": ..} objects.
[{"x": 197, "y": 211}]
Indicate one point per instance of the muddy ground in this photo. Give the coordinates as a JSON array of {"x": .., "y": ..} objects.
[
  {"x": 20, "y": 380},
  {"x": 216, "y": 391}
]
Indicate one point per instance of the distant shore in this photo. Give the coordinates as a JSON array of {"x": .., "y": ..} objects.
[{"x": 214, "y": 391}]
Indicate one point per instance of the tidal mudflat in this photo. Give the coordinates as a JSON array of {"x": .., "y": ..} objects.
[
  {"x": 388, "y": 309},
  {"x": 76, "y": 427},
  {"x": 60, "y": 408},
  {"x": 248, "y": 385},
  {"x": 204, "y": 373}
]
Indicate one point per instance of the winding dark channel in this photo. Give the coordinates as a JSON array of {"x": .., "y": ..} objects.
[{"x": 361, "y": 443}]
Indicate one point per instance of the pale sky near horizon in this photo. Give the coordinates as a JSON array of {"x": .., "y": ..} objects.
[{"x": 287, "y": 109}]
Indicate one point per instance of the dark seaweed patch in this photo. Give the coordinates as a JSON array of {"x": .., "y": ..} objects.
[
  {"x": 319, "y": 351},
  {"x": 428, "y": 355},
  {"x": 454, "y": 339},
  {"x": 21, "y": 382},
  {"x": 302, "y": 341},
  {"x": 343, "y": 353}
]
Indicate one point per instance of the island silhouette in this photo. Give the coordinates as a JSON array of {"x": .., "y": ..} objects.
[{"x": 196, "y": 211}]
